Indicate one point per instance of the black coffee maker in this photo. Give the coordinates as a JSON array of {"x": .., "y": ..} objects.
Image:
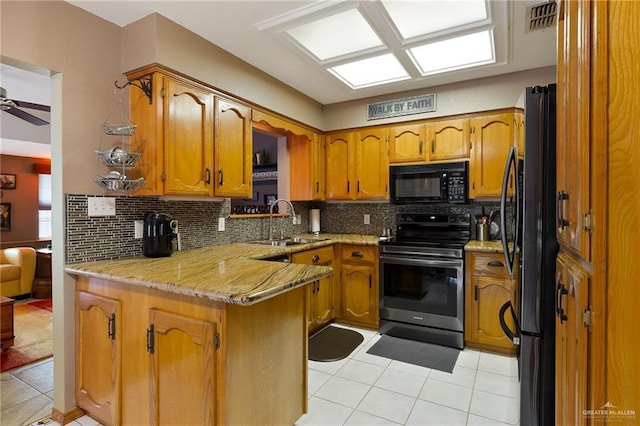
[{"x": 159, "y": 231}]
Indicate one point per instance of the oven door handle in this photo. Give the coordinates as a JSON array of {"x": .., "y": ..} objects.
[{"x": 398, "y": 260}]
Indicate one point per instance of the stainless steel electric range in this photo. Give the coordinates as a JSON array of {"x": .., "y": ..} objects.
[{"x": 422, "y": 278}]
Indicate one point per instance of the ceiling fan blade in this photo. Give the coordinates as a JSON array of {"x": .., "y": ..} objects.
[
  {"x": 26, "y": 116},
  {"x": 29, "y": 105}
]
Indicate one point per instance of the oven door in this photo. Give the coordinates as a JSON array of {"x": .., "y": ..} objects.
[{"x": 422, "y": 290}]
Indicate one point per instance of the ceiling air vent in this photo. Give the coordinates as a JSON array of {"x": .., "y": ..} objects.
[{"x": 541, "y": 16}]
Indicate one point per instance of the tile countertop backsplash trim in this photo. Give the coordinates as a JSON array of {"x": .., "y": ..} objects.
[{"x": 111, "y": 237}]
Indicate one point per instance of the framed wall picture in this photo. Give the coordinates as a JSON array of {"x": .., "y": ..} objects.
[
  {"x": 7, "y": 181},
  {"x": 5, "y": 216}
]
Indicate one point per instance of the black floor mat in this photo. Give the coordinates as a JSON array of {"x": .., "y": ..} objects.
[
  {"x": 428, "y": 355},
  {"x": 333, "y": 343}
]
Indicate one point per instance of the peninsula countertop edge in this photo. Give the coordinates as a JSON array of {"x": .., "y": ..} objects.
[{"x": 237, "y": 273}]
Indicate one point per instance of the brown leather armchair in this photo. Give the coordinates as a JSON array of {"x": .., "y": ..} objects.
[{"x": 17, "y": 270}]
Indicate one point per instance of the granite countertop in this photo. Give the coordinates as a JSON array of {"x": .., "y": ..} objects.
[
  {"x": 484, "y": 246},
  {"x": 229, "y": 273}
]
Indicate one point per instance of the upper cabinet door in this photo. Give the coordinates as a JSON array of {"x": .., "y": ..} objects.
[
  {"x": 338, "y": 171},
  {"x": 188, "y": 139},
  {"x": 448, "y": 140},
  {"x": 574, "y": 126},
  {"x": 518, "y": 129},
  {"x": 492, "y": 137},
  {"x": 372, "y": 164},
  {"x": 407, "y": 144},
  {"x": 233, "y": 149}
]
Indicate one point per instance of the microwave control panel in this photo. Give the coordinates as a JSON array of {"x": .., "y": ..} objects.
[{"x": 457, "y": 186}]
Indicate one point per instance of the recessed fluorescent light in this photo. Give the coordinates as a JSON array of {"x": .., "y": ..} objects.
[
  {"x": 455, "y": 53},
  {"x": 336, "y": 35},
  {"x": 371, "y": 72},
  {"x": 415, "y": 18}
]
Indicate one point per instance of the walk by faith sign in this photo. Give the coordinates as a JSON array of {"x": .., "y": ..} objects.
[{"x": 405, "y": 106}]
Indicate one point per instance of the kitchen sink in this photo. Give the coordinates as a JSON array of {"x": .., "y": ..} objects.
[{"x": 294, "y": 241}]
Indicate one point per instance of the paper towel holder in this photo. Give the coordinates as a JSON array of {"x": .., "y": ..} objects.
[{"x": 314, "y": 221}]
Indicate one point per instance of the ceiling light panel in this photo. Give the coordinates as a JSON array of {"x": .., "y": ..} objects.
[
  {"x": 455, "y": 53},
  {"x": 370, "y": 72},
  {"x": 336, "y": 35},
  {"x": 416, "y": 18}
]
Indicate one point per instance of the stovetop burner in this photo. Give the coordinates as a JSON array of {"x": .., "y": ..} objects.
[{"x": 431, "y": 230}]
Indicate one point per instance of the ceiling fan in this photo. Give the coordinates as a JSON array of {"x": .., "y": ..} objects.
[{"x": 13, "y": 107}]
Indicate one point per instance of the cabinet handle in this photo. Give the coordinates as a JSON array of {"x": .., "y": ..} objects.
[
  {"x": 111, "y": 327},
  {"x": 475, "y": 293},
  {"x": 357, "y": 254},
  {"x": 561, "y": 290},
  {"x": 433, "y": 145},
  {"x": 562, "y": 222},
  {"x": 317, "y": 187},
  {"x": 317, "y": 287},
  {"x": 348, "y": 187},
  {"x": 315, "y": 258},
  {"x": 496, "y": 264},
  {"x": 370, "y": 279},
  {"x": 220, "y": 177},
  {"x": 150, "y": 345},
  {"x": 358, "y": 186},
  {"x": 421, "y": 146},
  {"x": 208, "y": 176}
]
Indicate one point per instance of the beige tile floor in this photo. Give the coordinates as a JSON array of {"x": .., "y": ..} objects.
[{"x": 361, "y": 389}]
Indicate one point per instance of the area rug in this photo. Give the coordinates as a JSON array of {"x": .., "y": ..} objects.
[
  {"x": 33, "y": 329},
  {"x": 333, "y": 343},
  {"x": 441, "y": 358}
]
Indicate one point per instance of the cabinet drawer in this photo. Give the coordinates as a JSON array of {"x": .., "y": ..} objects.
[
  {"x": 491, "y": 264},
  {"x": 359, "y": 254},
  {"x": 324, "y": 255}
]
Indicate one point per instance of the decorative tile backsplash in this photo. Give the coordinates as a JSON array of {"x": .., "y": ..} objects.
[{"x": 111, "y": 237}]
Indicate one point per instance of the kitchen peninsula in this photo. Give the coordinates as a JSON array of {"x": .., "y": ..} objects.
[{"x": 205, "y": 336}]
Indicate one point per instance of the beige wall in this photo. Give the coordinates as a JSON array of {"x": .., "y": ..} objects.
[
  {"x": 82, "y": 53},
  {"x": 157, "y": 39},
  {"x": 469, "y": 96}
]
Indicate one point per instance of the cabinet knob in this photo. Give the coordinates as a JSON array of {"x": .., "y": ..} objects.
[
  {"x": 315, "y": 258},
  {"x": 357, "y": 254}
]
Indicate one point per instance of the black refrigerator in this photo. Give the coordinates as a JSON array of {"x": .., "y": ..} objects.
[{"x": 528, "y": 221}]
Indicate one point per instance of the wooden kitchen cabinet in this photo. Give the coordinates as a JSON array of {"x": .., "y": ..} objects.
[
  {"x": 99, "y": 356},
  {"x": 518, "y": 129},
  {"x": 321, "y": 293},
  {"x": 339, "y": 159},
  {"x": 359, "y": 285},
  {"x": 448, "y": 140},
  {"x": 407, "y": 144},
  {"x": 573, "y": 127},
  {"x": 193, "y": 142},
  {"x": 572, "y": 342},
  {"x": 183, "y": 371},
  {"x": 488, "y": 286},
  {"x": 190, "y": 360},
  {"x": 492, "y": 136},
  {"x": 233, "y": 170},
  {"x": 306, "y": 167},
  {"x": 357, "y": 165}
]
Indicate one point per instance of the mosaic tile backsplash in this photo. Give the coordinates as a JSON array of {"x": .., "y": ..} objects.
[{"x": 111, "y": 237}]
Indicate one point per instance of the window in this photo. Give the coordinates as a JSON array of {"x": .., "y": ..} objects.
[{"x": 44, "y": 210}]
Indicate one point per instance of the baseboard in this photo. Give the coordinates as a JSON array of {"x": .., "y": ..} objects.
[{"x": 68, "y": 417}]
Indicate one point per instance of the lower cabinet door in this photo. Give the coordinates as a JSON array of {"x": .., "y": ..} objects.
[
  {"x": 489, "y": 294},
  {"x": 357, "y": 294},
  {"x": 98, "y": 356},
  {"x": 182, "y": 376}
]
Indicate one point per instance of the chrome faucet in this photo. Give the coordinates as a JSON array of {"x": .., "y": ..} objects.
[{"x": 293, "y": 212}]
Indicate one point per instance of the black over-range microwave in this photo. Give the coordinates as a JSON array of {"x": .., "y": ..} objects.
[{"x": 429, "y": 183}]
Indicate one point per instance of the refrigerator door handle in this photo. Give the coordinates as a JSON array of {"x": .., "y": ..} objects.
[
  {"x": 509, "y": 256},
  {"x": 514, "y": 336}
]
